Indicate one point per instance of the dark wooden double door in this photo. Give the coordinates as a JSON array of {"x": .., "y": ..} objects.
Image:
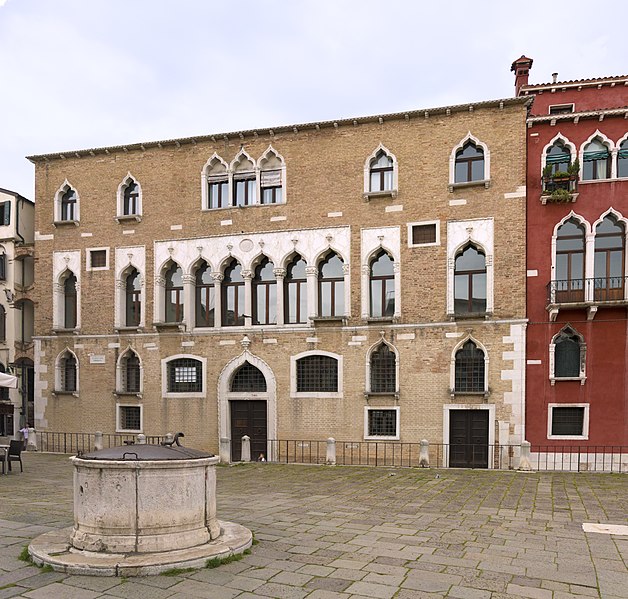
[
  {"x": 248, "y": 417},
  {"x": 468, "y": 439}
]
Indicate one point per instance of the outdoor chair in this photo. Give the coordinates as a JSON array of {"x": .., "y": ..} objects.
[{"x": 15, "y": 454}]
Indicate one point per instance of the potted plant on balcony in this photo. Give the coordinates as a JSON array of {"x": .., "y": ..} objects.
[{"x": 559, "y": 196}]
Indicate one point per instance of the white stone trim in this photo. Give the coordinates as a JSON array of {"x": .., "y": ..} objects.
[
  {"x": 316, "y": 394},
  {"x": 367, "y": 172},
  {"x": 65, "y": 262},
  {"x": 452, "y": 369},
  {"x": 214, "y": 159},
  {"x": 395, "y": 437},
  {"x": 119, "y": 428},
  {"x": 585, "y": 421},
  {"x": 224, "y": 395},
  {"x": 120, "y": 196},
  {"x": 127, "y": 258},
  {"x": 612, "y": 153},
  {"x": 372, "y": 241},
  {"x": 264, "y": 158},
  {"x": 515, "y": 398},
  {"x": 88, "y": 259},
  {"x": 419, "y": 223},
  {"x": 369, "y": 353},
  {"x": 238, "y": 167},
  {"x": 447, "y": 408},
  {"x": 184, "y": 394},
  {"x": 480, "y": 233},
  {"x": 452, "y": 158},
  {"x": 58, "y": 369},
  {"x": 66, "y": 186},
  {"x": 119, "y": 370},
  {"x": 558, "y": 137}
]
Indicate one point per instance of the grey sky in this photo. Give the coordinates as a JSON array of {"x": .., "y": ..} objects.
[{"x": 88, "y": 73}]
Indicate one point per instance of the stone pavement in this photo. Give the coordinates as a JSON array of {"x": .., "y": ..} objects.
[{"x": 348, "y": 532}]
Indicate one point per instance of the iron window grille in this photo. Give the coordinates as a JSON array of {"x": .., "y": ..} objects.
[
  {"x": 130, "y": 418},
  {"x": 98, "y": 258},
  {"x": 423, "y": 234},
  {"x": 248, "y": 379},
  {"x": 316, "y": 374},
  {"x": 382, "y": 423},
  {"x": 383, "y": 370},
  {"x": 568, "y": 421},
  {"x": 469, "y": 369},
  {"x": 68, "y": 374},
  {"x": 185, "y": 375},
  {"x": 131, "y": 374}
]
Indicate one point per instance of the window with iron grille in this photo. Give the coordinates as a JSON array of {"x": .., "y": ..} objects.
[
  {"x": 567, "y": 356},
  {"x": 130, "y": 418},
  {"x": 382, "y": 423},
  {"x": 317, "y": 374},
  {"x": 383, "y": 370},
  {"x": 424, "y": 234},
  {"x": 568, "y": 421},
  {"x": 130, "y": 373},
  {"x": 469, "y": 375},
  {"x": 248, "y": 379},
  {"x": 98, "y": 258},
  {"x": 185, "y": 375},
  {"x": 68, "y": 373}
]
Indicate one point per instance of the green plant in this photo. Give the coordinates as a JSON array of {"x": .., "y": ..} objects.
[
  {"x": 24, "y": 555},
  {"x": 574, "y": 167},
  {"x": 559, "y": 196},
  {"x": 560, "y": 175},
  {"x": 219, "y": 561},
  {"x": 177, "y": 571},
  {"x": 547, "y": 171}
]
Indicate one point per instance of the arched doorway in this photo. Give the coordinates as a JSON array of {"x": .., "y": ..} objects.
[{"x": 247, "y": 406}]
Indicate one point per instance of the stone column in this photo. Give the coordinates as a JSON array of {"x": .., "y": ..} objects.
[
  {"x": 218, "y": 278},
  {"x": 159, "y": 304},
  {"x": 246, "y": 449},
  {"x": 247, "y": 275},
  {"x": 331, "y": 452},
  {"x": 98, "y": 441},
  {"x": 189, "y": 319},
  {"x": 424, "y": 455},
  {"x": 346, "y": 269},
  {"x": 31, "y": 443},
  {"x": 311, "y": 272},
  {"x": 280, "y": 274},
  {"x": 524, "y": 460},
  {"x": 366, "y": 291}
]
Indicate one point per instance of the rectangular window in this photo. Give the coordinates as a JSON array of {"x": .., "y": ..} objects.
[
  {"x": 5, "y": 213},
  {"x": 97, "y": 258},
  {"x": 561, "y": 108},
  {"x": 185, "y": 375},
  {"x": 218, "y": 193},
  {"x": 130, "y": 418},
  {"x": 244, "y": 192},
  {"x": 567, "y": 421},
  {"x": 381, "y": 423},
  {"x": 422, "y": 234},
  {"x": 317, "y": 374}
]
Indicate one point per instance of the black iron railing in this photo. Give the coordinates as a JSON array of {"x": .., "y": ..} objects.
[
  {"x": 595, "y": 290},
  {"x": 83, "y": 442}
]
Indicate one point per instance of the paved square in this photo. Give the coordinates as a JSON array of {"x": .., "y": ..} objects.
[{"x": 341, "y": 532}]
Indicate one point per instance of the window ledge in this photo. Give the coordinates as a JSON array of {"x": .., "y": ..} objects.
[
  {"x": 470, "y": 315},
  {"x": 554, "y": 379},
  {"x": 382, "y": 438},
  {"x": 323, "y": 319},
  {"x": 137, "y": 329},
  {"x": 486, "y": 183},
  {"x": 62, "y": 392},
  {"x": 547, "y": 199},
  {"x": 588, "y": 181},
  {"x": 62, "y": 331},
  {"x": 65, "y": 223},
  {"x": 179, "y": 326},
  {"x": 127, "y": 394},
  {"x": 382, "y": 319},
  {"x": 369, "y": 394},
  {"x": 483, "y": 394},
  {"x": 128, "y": 218},
  {"x": 569, "y": 437},
  {"x": 373, "y": 195}
]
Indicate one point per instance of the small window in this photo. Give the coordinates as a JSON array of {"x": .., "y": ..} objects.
[
  {"x": 317, "y": 374},
  {"x": 130, "y": 418},
  {"x": 70, "y": 304},
  {"x": 561, "y": 108},
  {"x": 383, "y": 366},
  {"x": 130, "y": 373},
  {"x": 423, "y": 234},
  {"x": 3, "y": 267},
  {"x": 5, "y": 213},
  {"x": 470, "y": 369},
  {"x": 271, "y": 187},
  {"x": 381, "y": 172},
  {"x": 68, "y": 373},
  {"x": 622, "y": 159},
  {"x": 131, "y": 199},
  {"x": 174, "y": 294},
  {"x": 133, "y": 298},
  {"x": 218, "y": 192},
  {"x": 470, "y": 281},
  {"x": 568, "y": 421},
  {"x": 469, "y": 164},
  {"x": 382, "y": 423},
  {"x": 248, "y": 379},
  {"x": 568, "y": 357},
  {"x": 98, "y": 259},
  {"x": 596, "y": 161},
  {"x": 185, "y": 375},
  {"x": 68, "y": 205},
  {"x": 558, "y": 157}
]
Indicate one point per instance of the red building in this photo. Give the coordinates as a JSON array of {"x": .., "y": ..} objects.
[{"x": 577, "y": 292}]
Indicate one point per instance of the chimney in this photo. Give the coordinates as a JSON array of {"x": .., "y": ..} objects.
[
  {"x": 554, "y": 77},
  {"x": 521, "y": 68}
]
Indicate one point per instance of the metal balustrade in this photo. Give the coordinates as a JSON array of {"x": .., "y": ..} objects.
[{"x": 597, "y": 290}]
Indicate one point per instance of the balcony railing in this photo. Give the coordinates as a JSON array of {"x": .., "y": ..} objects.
[
  {"x": 559, "y": 189},
  {"x": 597, "y": 290}
]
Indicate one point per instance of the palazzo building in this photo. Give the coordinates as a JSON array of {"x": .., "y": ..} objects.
[
  {"x": 577, "y": 183},
  {"x": 362, "y": 279}
]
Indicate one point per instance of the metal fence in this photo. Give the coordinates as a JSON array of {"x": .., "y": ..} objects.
[{"x": 83, "y": 442}]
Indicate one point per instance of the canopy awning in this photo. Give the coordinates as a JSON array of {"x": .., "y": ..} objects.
[{"x": 7, "y": 380}]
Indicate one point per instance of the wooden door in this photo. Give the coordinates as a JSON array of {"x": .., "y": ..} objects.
[
  {"x": 248, "y": 418},
  {"x": 468, "y": 438}
]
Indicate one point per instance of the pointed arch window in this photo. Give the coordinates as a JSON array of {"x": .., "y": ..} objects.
[
  {"x": 131, "y": 199},
  {"x": 244, "y": 182},
  {"x": 264, "y": 289},
  {"x": 232, "y": 290},
  {"x": 68, "y": 373},
  {"x": 382, "y": 286},
  {"x": 470, "y": 281},
  {"x": 470, "y": 369},
  {"x": 569, "y": 272},
  {"x": 272, "y": 171},
  {"x": 567, "y": 356},
  {"x": 609, "y": 260},
  {"x": 622, "y": 159},
  {"x": 383, "y": 370},
  {"x": 331, "y": 286},
  {"x": 295, "y": 291},
  {"x": 248, "y": 379},
  {"x": 133, "y": 298},
  {"x": 217, "y": 181},
  {"x": 205, "y": 296},
  {"x": 130, "y": 372},
  {"x": 469, "y": 165},
  {"x": 69, "y": 205},
  {"x": 381, "y": 170},
  {"x": 596, "y": 161},
  {"x": 69, "y": 301},
  {"x": 174, "y": 294},
  {"x": 558, "y": 157}
]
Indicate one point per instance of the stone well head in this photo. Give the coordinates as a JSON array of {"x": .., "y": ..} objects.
[{"x": 144, "y": 499}]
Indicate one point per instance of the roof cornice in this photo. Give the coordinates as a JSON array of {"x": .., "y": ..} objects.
[
  {"x": 272, "y": 131},
  {"x": 578, "y": 83},
  {"x": 577, "y": 116}
]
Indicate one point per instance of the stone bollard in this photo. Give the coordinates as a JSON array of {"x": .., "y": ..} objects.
[
  {"x": 330, "y": 460},
  {"x": 141, "y": 439},
  {"x": 31, "y": 443},
  {"x": 225, "y": 450},
  {"x": 524, "y": 459},
  {"x": 246, "y": 449},
  {"x": 98, "y": 441},
  {"x": 424, "y": 455}
]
